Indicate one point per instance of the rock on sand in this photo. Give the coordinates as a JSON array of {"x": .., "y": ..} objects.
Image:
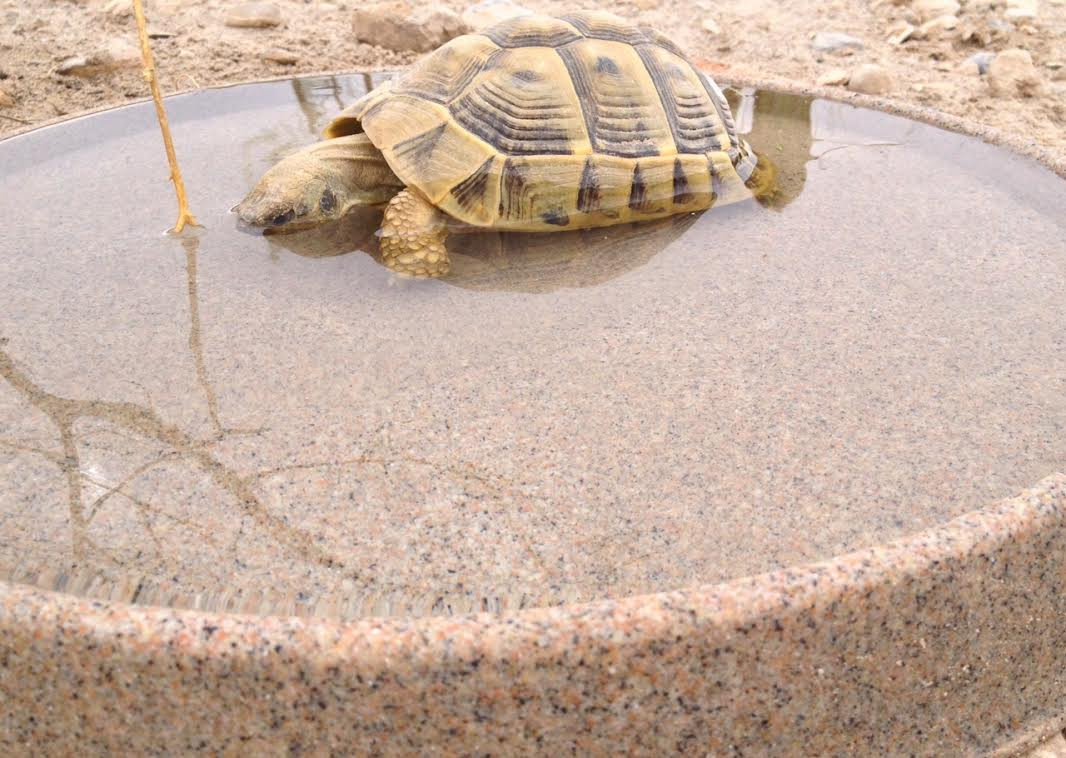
[
  {"x": 871, "y": 79},
  {"x": 405, "y": 25}
]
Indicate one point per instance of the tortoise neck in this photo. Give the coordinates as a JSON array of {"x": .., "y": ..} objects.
[
  {"x": 355, "y": 169},
  {"x": 356, "y": 161}
]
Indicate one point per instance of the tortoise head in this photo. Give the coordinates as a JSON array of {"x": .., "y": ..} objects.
[{"x": 318, "y": 184}]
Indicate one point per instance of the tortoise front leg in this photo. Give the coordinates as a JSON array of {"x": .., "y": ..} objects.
[{"x": 412, "y": 236}]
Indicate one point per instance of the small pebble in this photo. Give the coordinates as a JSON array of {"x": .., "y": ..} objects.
[
  {"x": 491, "y": 12},
  {"x": 927, "y": 10},
  {"x": 832, "y": 42},
  {"x": 6, "y": 99},
  {"x": 1012, "y": 74},
  {"x": 278, "y": 55},
  {"x": 1021, "y": 10},
  {"x": 710, "y": 26},
  {"x": 254, "y": 16},
  {"x": 834, "y": 77},
  {"x": 974, "y": 34},
  {"x": 982, "y": 61},
  {"x": 119, "y": 54},
  {"x": 871, "y": 79},
  {"x": 936, "y": 27},
  {"x": 899, "y": 32},
  {"x": 78, "y": 65},
  {"x": 118, "y": 8}
]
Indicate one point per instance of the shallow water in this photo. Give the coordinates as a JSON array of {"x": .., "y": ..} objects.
[{"x": 279, "y": 425}]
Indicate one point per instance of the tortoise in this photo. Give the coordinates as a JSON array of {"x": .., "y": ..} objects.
[{"x": 535, "y": 124}]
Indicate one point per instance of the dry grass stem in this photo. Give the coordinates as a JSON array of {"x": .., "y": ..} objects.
[{"x": 184, "y": 215}]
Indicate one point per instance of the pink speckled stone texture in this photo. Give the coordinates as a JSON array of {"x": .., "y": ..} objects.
[
  {"x": 945, "y": 643},
  {"x": 921, "y": 614}
]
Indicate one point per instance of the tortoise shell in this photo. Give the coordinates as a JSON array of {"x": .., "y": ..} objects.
[{"x": 542, "y": 123}]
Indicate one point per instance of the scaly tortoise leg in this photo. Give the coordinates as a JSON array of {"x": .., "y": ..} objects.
[{"x": 412, "y": 236}]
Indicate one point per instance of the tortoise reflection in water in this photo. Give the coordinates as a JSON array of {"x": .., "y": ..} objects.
[
  {"x": 537, "y": 124},
  {"x": 509, "y": 261}
]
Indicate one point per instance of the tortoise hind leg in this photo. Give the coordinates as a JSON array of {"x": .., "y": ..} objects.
[{"x": 412, "y": 236}]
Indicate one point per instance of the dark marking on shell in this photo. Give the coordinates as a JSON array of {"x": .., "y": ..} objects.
[
  {"x": 675, "y": 72},
  {"x": 527, "y": 75},
  {"x": 638, "y": 191},
  {"x": 605, "y": 65},
  {"x": 513, "y": 127},
  {"x": 470, "y": 193},
  {"x": 744, "y": 163},
  {"x": 420, "y": 147},
  {"x": 588, "y": 192},
  {"x": 682, "y": 192},
  {"x": 514, "y": 180},
  {"x": 716, "y": 182},
  {"x": 555, "y": 217}
]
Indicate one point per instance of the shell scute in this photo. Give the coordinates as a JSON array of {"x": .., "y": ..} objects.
[
  {"x": 694, "y": 121},
  {"x": 448, "y": 70},
  {"x": 623, "y": 112},
  {"x": 522, "y": 104},
  {"x": 424, "y": 142}
]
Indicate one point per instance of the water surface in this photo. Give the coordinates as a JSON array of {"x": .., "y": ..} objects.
[{"x": 279, "y": 425}]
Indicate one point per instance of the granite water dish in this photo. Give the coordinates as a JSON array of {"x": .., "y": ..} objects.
[{"x": 784, "y": 475}]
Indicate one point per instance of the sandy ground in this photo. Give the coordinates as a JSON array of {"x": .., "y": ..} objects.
[{"x": 746, "y": 39}]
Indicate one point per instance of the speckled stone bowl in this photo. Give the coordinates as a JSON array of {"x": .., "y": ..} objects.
[{"x": 945, "y": 642}]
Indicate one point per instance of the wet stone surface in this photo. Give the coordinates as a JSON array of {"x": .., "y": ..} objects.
[{"x": 279, "y": 425}]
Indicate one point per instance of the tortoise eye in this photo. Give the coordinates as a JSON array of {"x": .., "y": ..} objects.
[
  {"x": 283, "y": 218},
  {"x": 328, "y": 201}
]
